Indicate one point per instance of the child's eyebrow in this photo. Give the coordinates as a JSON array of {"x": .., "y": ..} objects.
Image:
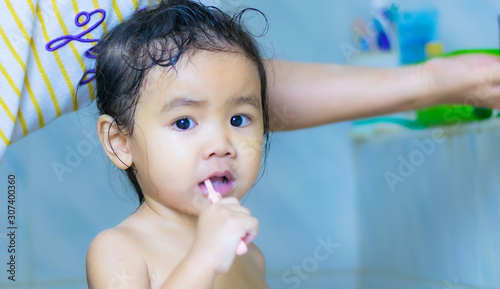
[
  {"x": 181, "y": 101},
  {"x": 242, "y": 100}
]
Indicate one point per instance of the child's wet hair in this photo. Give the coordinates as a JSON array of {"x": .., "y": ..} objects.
[{"x": 161, "y": 36}]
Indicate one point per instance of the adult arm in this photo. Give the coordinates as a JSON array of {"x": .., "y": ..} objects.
[{"x": 306, "y": 94}]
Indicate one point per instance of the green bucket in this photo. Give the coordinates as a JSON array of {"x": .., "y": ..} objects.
[{"x": 451, "y": 114}]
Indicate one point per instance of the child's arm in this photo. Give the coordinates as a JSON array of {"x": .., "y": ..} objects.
[
  {"x": 220, "y": 228},
  {"x": 113, "y": 258},
  {"x": 114, "y": 261}
]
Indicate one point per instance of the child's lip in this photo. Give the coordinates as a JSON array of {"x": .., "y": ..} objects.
[{"x": 224, "y": 188}]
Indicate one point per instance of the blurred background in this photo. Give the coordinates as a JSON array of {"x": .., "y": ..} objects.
[{"x": 362, "y": 205}]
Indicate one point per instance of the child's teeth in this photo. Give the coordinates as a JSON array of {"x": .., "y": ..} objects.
[{"x": 218, "y": 181}]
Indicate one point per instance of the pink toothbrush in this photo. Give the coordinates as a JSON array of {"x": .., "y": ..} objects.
[{"x": 214, "y": 197}]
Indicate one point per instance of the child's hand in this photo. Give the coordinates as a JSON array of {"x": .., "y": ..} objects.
[{"x": 221, "y": 227}]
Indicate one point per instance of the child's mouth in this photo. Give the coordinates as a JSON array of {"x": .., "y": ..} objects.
[{"x": 223, "y": 183}]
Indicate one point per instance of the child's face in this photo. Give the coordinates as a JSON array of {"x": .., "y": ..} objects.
[{"x": 203, "y": 121}]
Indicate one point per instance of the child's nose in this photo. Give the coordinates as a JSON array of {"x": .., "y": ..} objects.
[{"x": 219, "y": 144}]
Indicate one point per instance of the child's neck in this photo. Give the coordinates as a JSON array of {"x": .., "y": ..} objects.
[{"x": 168, "y": 218}]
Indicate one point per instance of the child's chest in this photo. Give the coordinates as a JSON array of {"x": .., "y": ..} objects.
[{"x": 244, "y": 273}]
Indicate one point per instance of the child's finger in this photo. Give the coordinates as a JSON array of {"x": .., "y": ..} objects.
[
  {"x": 251, "y": 230},
  {"x": 234, "y": 205},
  {"x": 229, "y": 200},
  {"x": 251, "y": 227}
]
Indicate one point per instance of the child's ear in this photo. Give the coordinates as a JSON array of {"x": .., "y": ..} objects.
[{"x": 115, "y": 143}]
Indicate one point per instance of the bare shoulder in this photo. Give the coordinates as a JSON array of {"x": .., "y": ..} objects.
[
  {"x": 257, "y": 256},
  {"x": 115, "y": 259},
  {"x": 111, "y": 242}
]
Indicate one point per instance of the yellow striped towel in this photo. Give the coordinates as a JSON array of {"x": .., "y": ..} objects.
[{"x": 43, "y": 45}]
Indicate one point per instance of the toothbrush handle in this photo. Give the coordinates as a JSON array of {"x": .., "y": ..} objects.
[{"x": 214, "y": 197}]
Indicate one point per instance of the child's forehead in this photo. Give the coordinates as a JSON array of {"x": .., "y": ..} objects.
[
  {"x": 197, "y": 70},
  {"x": 195, "y": 60}
]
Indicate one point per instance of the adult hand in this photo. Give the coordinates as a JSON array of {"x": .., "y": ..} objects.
[{"x": 472, "y": 79}]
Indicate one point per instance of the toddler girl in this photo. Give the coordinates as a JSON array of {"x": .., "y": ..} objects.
[{"x": 181, "y": 89}]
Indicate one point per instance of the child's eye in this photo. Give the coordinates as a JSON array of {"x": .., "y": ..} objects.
[
  {"x": 184, "y": 123},
  {"x": 240, "y": 120}
]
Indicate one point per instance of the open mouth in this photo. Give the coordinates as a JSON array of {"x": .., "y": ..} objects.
[
  {"x": 222, "y": 182},
  {"x": 216, "y": 181}
]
